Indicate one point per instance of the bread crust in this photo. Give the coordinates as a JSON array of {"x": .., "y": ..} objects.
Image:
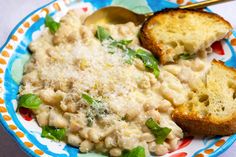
[
  {"x": 222, "y": 64},
  {"x": 197, "y": 125},
  {"x": 155, "y": 47},
  {"x": 203, "y": 126}
]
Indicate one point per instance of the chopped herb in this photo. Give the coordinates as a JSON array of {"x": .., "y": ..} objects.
[
  {"x": 111, "y": 49},
  {"x": 129, "y": 54},
  {"x": 136, "y": 152},
  {"x": 160, "y": 133},
  {"x": 97, "y": 109},
  {"x": 102, "y": 34},
  {"x": 187, "y": 56},
  {"x": 125, "y": 118},
  {"x": 30, "y": 101},
  {"x": 51, "y": 24},
  {"x": 53, "y": 133},
  {"x": 90, "y": 118},
  {"x": 88, "y": 99},
  {"x": 149, "y": 61},
  {"x": 121, "y": 44},
  {"x": 125, "y": 42}
]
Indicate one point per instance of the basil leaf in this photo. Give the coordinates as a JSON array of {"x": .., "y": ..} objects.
[
  {"x": 149, "y": 61},
  {"x": 53, "y": 133},
  {"x": 102, "y": 34},
  {"x": 187, "y": 56},
  {"x": 51, "y": 24},
  {"x": 136, "y": 152},
  {"x": 88, "y": 99},
  {"x": 125, "y": 42},
  {"x": 129, "y": 56},
  {"x": 30, "y": 101},
  {"x": 160, "y": 133},
  {"x": 121, "y": 43}
]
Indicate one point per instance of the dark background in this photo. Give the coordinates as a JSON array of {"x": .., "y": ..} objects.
[
  {"x": 8, "y": 146},
  {"x": 12, "y": 11}
]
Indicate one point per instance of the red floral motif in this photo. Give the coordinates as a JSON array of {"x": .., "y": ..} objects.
[
  {"x": 85, "y": 9},
  {"x": 181, "y": 154},
  {"x": 217, "y": 48},
  {"x": 26, "y": 113},
  {"x": 185, "y": 142}
]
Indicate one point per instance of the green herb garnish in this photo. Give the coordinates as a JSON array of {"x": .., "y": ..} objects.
[
  {"x": 125, "y": 118},
  {"x": 53, "y": 133},
  {"x": 187, "y": 56},
  {"x": 160, "y": 133},
  {"x": 149, "y": 61},
  {"x": 129, "y": 54},
  {"x": 102, "y": 34},
  {"x": 88, "y": 99},
  {"x": 90, "y": 118},
  {"x": 136, "y": 152},
  {"x": 121, "y": 44},
  {"x": 30, "y": 101},
  {"x": 51, "y": 24},
  {"x": 97, "y": 109}
]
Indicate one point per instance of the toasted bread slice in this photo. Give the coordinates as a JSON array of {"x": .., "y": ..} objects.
[
  {"x": 211, "y": 109},
  {"x": 172, "y": 32}
]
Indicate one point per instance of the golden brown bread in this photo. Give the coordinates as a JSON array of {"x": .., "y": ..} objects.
[
  {"x": 172, "y": 32},
  {"x": 211, "y": 109}
]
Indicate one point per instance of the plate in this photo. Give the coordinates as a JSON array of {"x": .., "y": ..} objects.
[{"x": 14, "y": 54}]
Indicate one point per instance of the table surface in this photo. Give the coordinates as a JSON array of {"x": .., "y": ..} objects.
[{"x": 8, "y": 147}]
